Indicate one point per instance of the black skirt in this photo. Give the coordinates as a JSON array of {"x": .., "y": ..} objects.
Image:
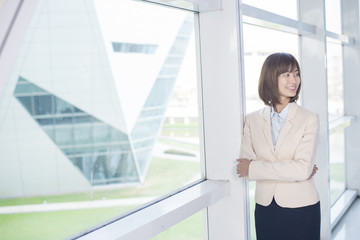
[{"x": 277, "y": 223}]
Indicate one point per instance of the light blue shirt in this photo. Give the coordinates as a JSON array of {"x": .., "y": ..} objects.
[{"x": 277, "y": 122}]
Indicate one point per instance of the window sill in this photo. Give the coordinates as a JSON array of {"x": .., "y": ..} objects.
[
  {"x": 161, "y": 215},
  {"x": 341, "y": 206}
]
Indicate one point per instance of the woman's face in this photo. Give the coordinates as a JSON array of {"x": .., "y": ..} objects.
[{"x": 288, "y": 83}]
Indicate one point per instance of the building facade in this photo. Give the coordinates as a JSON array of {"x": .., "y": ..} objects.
[{"x": 77, "y": 112}]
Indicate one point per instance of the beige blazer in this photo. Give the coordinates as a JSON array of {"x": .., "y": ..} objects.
[{"x": 282, "y": 172}]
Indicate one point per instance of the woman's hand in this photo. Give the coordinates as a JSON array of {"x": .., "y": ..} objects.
[
  {"x": 313, "y": 172},
  {"x": 242, "y": 168}
]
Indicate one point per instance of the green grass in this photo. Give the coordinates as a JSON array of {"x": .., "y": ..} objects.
[
  {"x": 164, "y": 176},
  {"x": 337, "y": 178},
  {"x": 337, "y": 172},
  {"x": 53, "y": 225},
  {"x": 180, "y": 130}
]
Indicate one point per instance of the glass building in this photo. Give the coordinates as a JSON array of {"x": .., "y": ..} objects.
[{"x": 71, "y": 82}]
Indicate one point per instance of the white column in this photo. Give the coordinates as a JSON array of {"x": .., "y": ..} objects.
[
  {"x": 351, "y": 54},
  {"x": 219, "y": 32},
  {"x": 314, "y": 93},
  {"x": 15, "y": 18}
]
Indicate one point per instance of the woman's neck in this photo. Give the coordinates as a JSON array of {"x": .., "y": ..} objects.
[{"x": 279, "y": 107}]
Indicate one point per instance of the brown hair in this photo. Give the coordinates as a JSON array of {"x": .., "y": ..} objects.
[{"x": 275, "y": 65}]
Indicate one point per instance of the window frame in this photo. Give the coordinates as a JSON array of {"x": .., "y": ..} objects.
[{"x": 224, "y": 190}]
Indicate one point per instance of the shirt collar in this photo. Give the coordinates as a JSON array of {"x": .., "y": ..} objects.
[{"x": 283, "y": 114}]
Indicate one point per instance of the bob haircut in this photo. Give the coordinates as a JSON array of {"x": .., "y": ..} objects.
[{"x": 275, "y": 65}]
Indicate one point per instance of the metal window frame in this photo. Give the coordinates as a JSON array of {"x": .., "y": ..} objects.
[{"x": 260, "y": 17}]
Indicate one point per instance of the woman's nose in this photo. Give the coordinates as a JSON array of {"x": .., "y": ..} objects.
[{"x": 292, "y": 78}]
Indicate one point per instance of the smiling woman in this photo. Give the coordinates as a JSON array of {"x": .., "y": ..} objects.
[{"x": 278, "y": 151}]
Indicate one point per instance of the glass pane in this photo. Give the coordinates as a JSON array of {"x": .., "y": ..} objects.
[
  {"x": 256, "y": 49},
  {"x": 106, "y": 108},
  {"x": 191, "y": 228},
  {"x": 335, "y": 80},
  {"x": 333, "y": 15},
  {"x": 287, "y": 8},
  {"x": 43, "y": 105},
  {"x": 337, "y": 165}
]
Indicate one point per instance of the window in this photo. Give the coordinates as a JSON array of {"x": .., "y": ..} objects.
[
  {"x": 337, "y": 165},
  {"x": 134, "y": 48},
  {"x": 286, "y": 8},
  {"x": 335, "y": 98},
  {"x": 87, "y": 125}
]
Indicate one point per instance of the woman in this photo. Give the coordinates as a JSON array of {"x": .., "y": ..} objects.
[{"x": 278, "y": 152}]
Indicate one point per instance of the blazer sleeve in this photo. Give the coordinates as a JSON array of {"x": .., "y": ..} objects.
[
  {"x": 247, "y": 150},
  {"x": 297, "y": 169}
]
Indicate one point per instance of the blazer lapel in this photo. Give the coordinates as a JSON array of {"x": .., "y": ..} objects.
[
  {"x": 266, "y": 127},
  {"x": 286, "y": 127}
]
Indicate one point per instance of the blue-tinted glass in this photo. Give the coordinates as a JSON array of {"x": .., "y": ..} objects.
[
  {"x": 23, "y": 88},
  {"x": 116, "y": 135},
  {"x": 148, "y": 128},
  {"x": 87, "y": 166},
  {"x": 144, "y": 143},
  {"x": 97, "y": 149},
  {"x": 179, "y": 45},
  {"x": 27, "y": 103},
  {"x": 100, "y": 170},
  {"x": 63, "y": 107},
  {"x": 150, "y": 112},
  {"x": 22, "y": 80},
  {"x": 64, "y": 120},
  {"x": 83, "y": 134},
  {"x": 116, "y": 47},
  {"x": 142, "y": 155},
  {"x": 134, "y": 48},
  {"x": 151, "y": 49},
  {"x": 78, "y": 162},
  {"x": 169, "y": 71},
  {"x": 50, "y": 132},
  {"x": 160, "y": 92},
  {"x": 174, "y": 60},
  {"x": 69, "y": 150},
  {"x": 45, "y": 121},
  {"x": 64, "y": 136},
  {"x": 84, "y": 119},
  {"x": 113, "y": 163},
  {"x": 82, "y": 150},
  {"x": 43, "y": 105},
  {"x": 115, "y": 149},
  {"x": 77, "y": 110},
  {"x": 126, "y": 168},
  {"x": 36, "y": 89},
  {"x": 101, "y": 133}
]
